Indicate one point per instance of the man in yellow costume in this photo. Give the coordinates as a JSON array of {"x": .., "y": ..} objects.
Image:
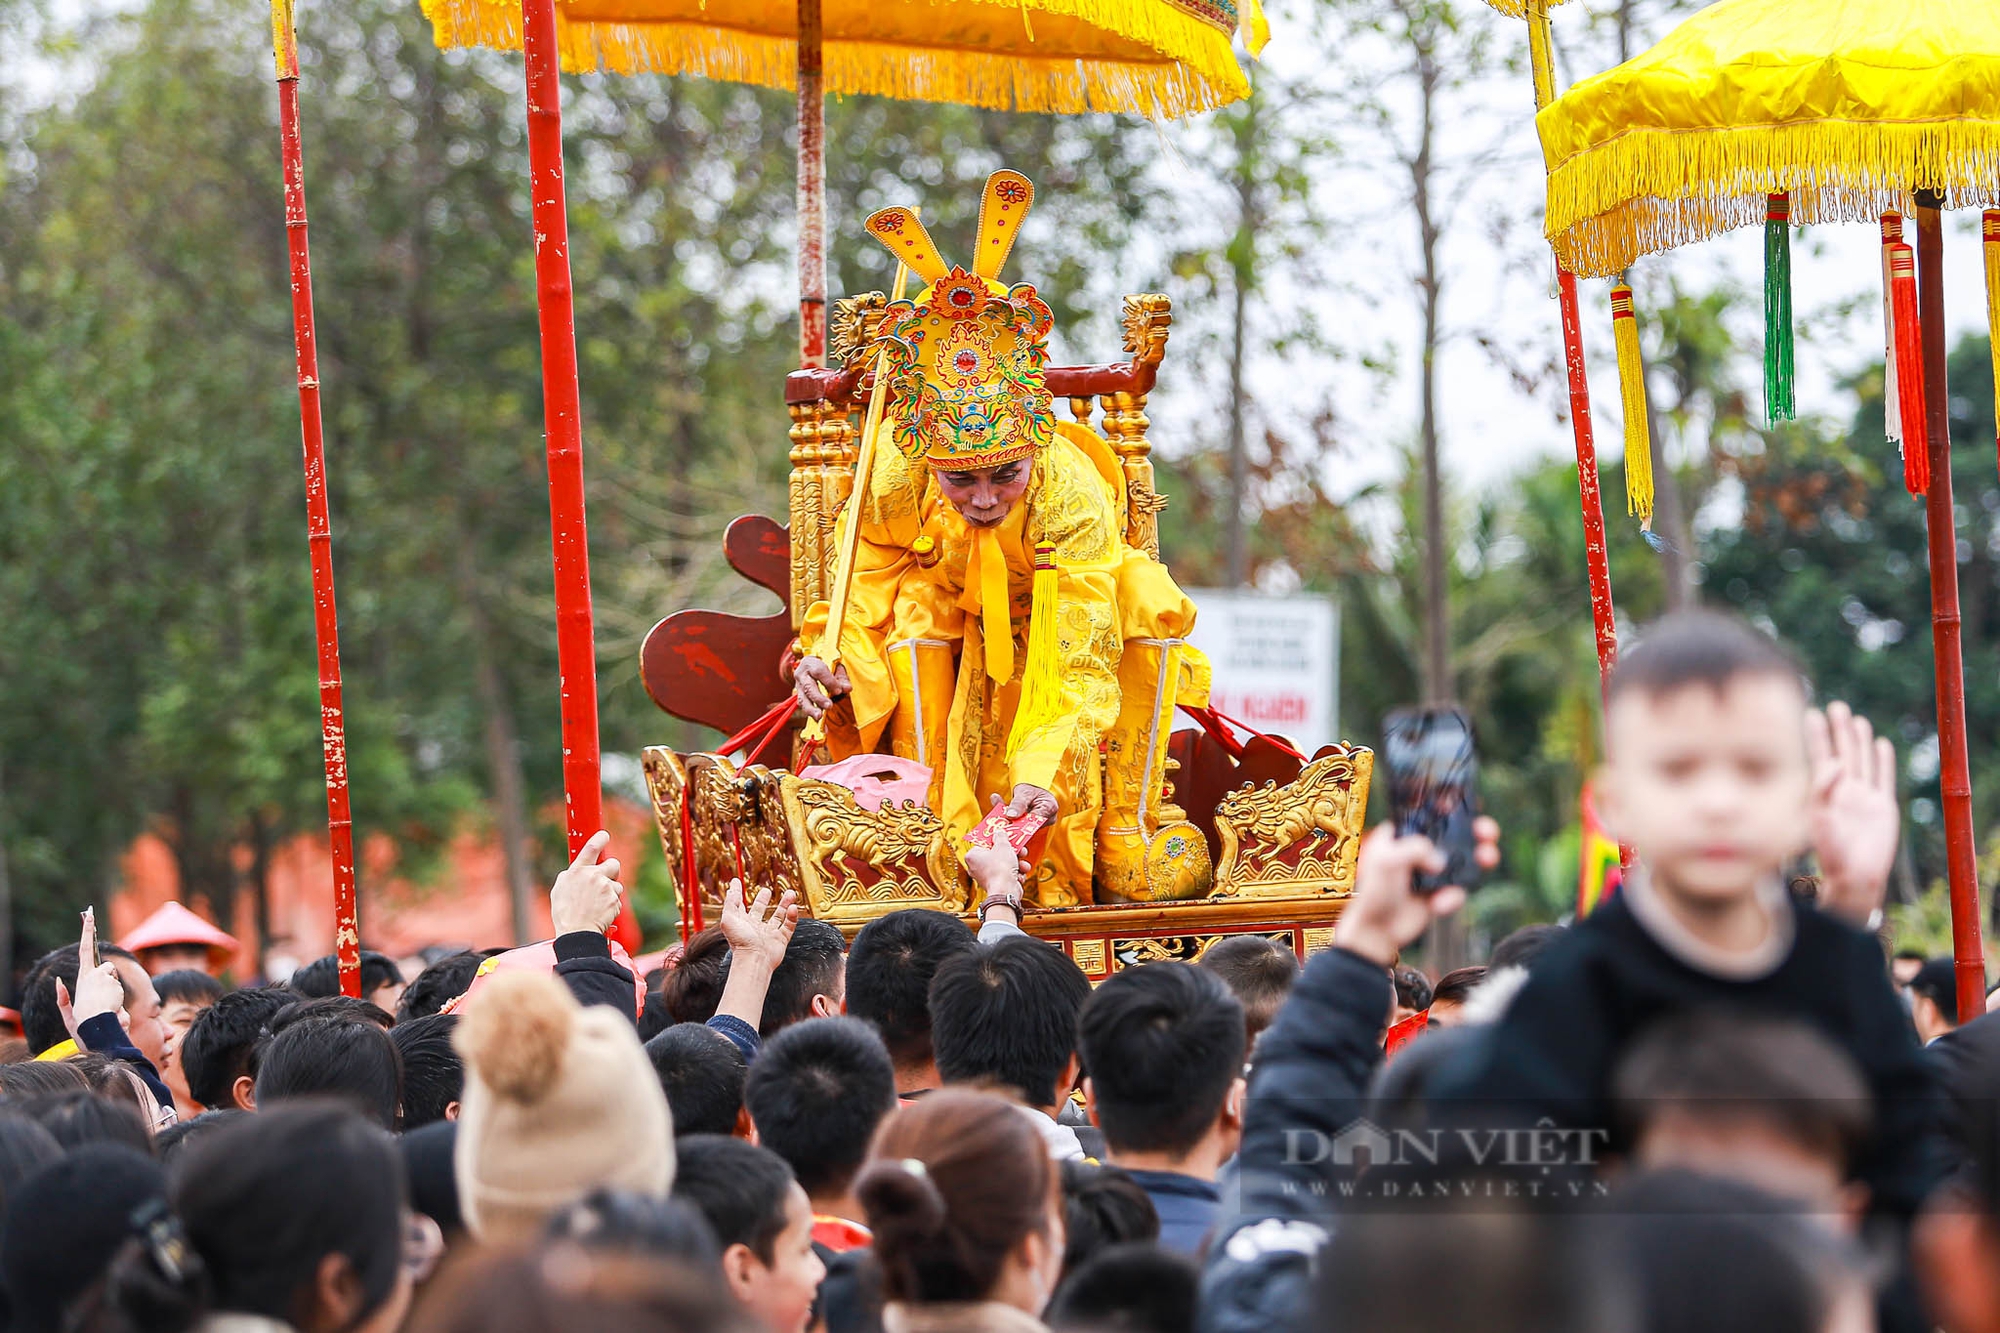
[{"x": 998, "y": 627}]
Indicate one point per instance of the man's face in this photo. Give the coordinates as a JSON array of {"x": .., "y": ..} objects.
[
  {"x": 1904, "y": 970},
  {"x": 175, "y": 957},
  {"x": 984, "y": 496},
  {"x": 781, "y": 1295},
  {"x": 142, "y": 1011},
  {"x": 1710, "y": 787}
]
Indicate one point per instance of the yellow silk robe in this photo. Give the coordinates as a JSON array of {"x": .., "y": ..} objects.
[{"x": 1107, "y": 592}]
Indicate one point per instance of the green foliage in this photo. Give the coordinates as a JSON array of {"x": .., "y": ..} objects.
[{"x": 158, "y": 670}]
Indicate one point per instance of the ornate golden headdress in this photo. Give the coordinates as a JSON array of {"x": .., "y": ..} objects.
[{"x": 965, "y": 358}]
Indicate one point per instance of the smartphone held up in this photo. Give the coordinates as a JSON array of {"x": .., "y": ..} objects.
[{"x": 1433, "y": 770}]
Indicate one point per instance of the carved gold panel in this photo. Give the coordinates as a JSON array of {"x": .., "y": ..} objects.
[
  {"x": 1180, "y": 948},
  {"x": 666, "y": 784},
  {"x": 1298, "y": 839},
  {"x": 858, "y": 864}
]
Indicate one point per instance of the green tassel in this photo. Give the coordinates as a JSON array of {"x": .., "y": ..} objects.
[{"x": 1778, "y": 398}]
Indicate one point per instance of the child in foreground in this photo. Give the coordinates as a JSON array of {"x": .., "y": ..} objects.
[{"x": 1718, "y": 775}]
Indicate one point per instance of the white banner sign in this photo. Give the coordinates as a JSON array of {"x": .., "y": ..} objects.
[{"x": 1276, "y": 660}]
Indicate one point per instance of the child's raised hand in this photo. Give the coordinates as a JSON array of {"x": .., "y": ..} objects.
[{"x": 1855, "y": 820}]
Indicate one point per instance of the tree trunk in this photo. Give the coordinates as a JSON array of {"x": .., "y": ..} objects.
[
  {"x": 1243, "y": 268},
  {"x": 503, "y": 750},
  {"x": 1437, "y": 628}
]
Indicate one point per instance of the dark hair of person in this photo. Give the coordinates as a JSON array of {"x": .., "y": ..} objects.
[
  {"x": 1937, "y": 981},
  {"x": 1102, "y": 1206},
  {"x": 187, "y": 985},
  {"x": 13, "y": 1050},
  {"x": 1008, "y": 1014},
  {"x": 261, "y": 1202},
  {"x": 1130, "y": 1288},
  {"x": 1698, "y": 648},
  {"x": 740, "y": 1189},
  {"x": 813, "y": 963},
  {"x": 1259, "y": 972},
  {"x": 70, "y": 1222},
  {"x": 1523, "y": 946},
  {"x": 1457, "y": 985},
  {"x": 1164, "y": 1045},
  {"x": 336, "y": 1057},
  {"x": 40, "y": 1078},
  {"x": 41, "y": 1019},
  {"x": 433, "y": 1074},
  {"x": 1732, "y": 1068},
  {"x": 25, "y": 1148},
  {"x": 78, "y": 1118},
  {"x": 220, "y": 1046},
  {"x": 178, "y": 1137},
  {"x": 702, "y": 1073},
  {"x": 566, "y": 1286},
  {"x": 320, "y": 979},
  {"x": 611, "y": 1221},
  {"x": 692, "y": 987},
  {"x": 112, "y": 1079},
  {"x": 816, "y": 1093},
  {"x": 432, "y": 1175},
  {"x": 1912, "y": 955},
  {"x": 944, "y": 1230},
  {"x": 1413, "y": 988},
  {"x": 1708, "y": 1255},
  {"x": 1511, "y": 1271},
  {"x": 654, "y": 1017},
  {"x": 331, "y": 1006},
  {"x": 441, "y": 983},
  {"x": 889, "y": 971}
]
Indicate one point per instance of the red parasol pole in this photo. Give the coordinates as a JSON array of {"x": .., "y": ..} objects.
[
  {"x": 319, "y": 526},
  {"x": 1954, "y": 779},
  {"x": 1596, "y": 555},
  {"x": 812, "y": 188},
  {"x": 555, "y": 307}
]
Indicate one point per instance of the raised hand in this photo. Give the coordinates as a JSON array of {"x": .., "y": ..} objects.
[
  {"x": 98, "y": 989},
  {"x": 818, "y": 686},
  {"x": 588, "y": 896},
  {"x": 757, "y": 929},
  {"x": 1386, "y": 912},
  {"x": 1855, "y": 819}
]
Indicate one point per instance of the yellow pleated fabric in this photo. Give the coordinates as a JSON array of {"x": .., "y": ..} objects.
[
  {"x": 1155, "y": 58},
  {"x": 1846, "y": 105}
]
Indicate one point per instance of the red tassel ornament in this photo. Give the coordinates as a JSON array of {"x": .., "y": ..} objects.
[{"x": 1909, "y": 343}]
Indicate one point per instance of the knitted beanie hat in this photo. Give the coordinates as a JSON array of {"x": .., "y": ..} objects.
[{"x": 559, "y": 1100}]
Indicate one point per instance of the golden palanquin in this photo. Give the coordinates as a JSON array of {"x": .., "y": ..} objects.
[{"x": 1272, "y": 837}]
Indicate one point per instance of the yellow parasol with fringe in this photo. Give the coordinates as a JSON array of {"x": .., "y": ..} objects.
[
  {"x": 1154, "y": 58},
  {"x": 1157, "y": 58},
  {"x": 1846, "y": 106},
  {"x": 1788, "y": 111}
]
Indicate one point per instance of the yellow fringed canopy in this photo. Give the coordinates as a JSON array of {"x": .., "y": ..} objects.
[
  {"x": 1850, "y": 106},
  {"x": 1156, "y": 58}
]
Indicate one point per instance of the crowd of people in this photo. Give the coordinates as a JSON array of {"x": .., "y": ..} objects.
[{"x": 1715, "y": 1103}]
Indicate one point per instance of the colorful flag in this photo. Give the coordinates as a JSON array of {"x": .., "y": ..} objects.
[{"x": 1598, "y": 865}]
